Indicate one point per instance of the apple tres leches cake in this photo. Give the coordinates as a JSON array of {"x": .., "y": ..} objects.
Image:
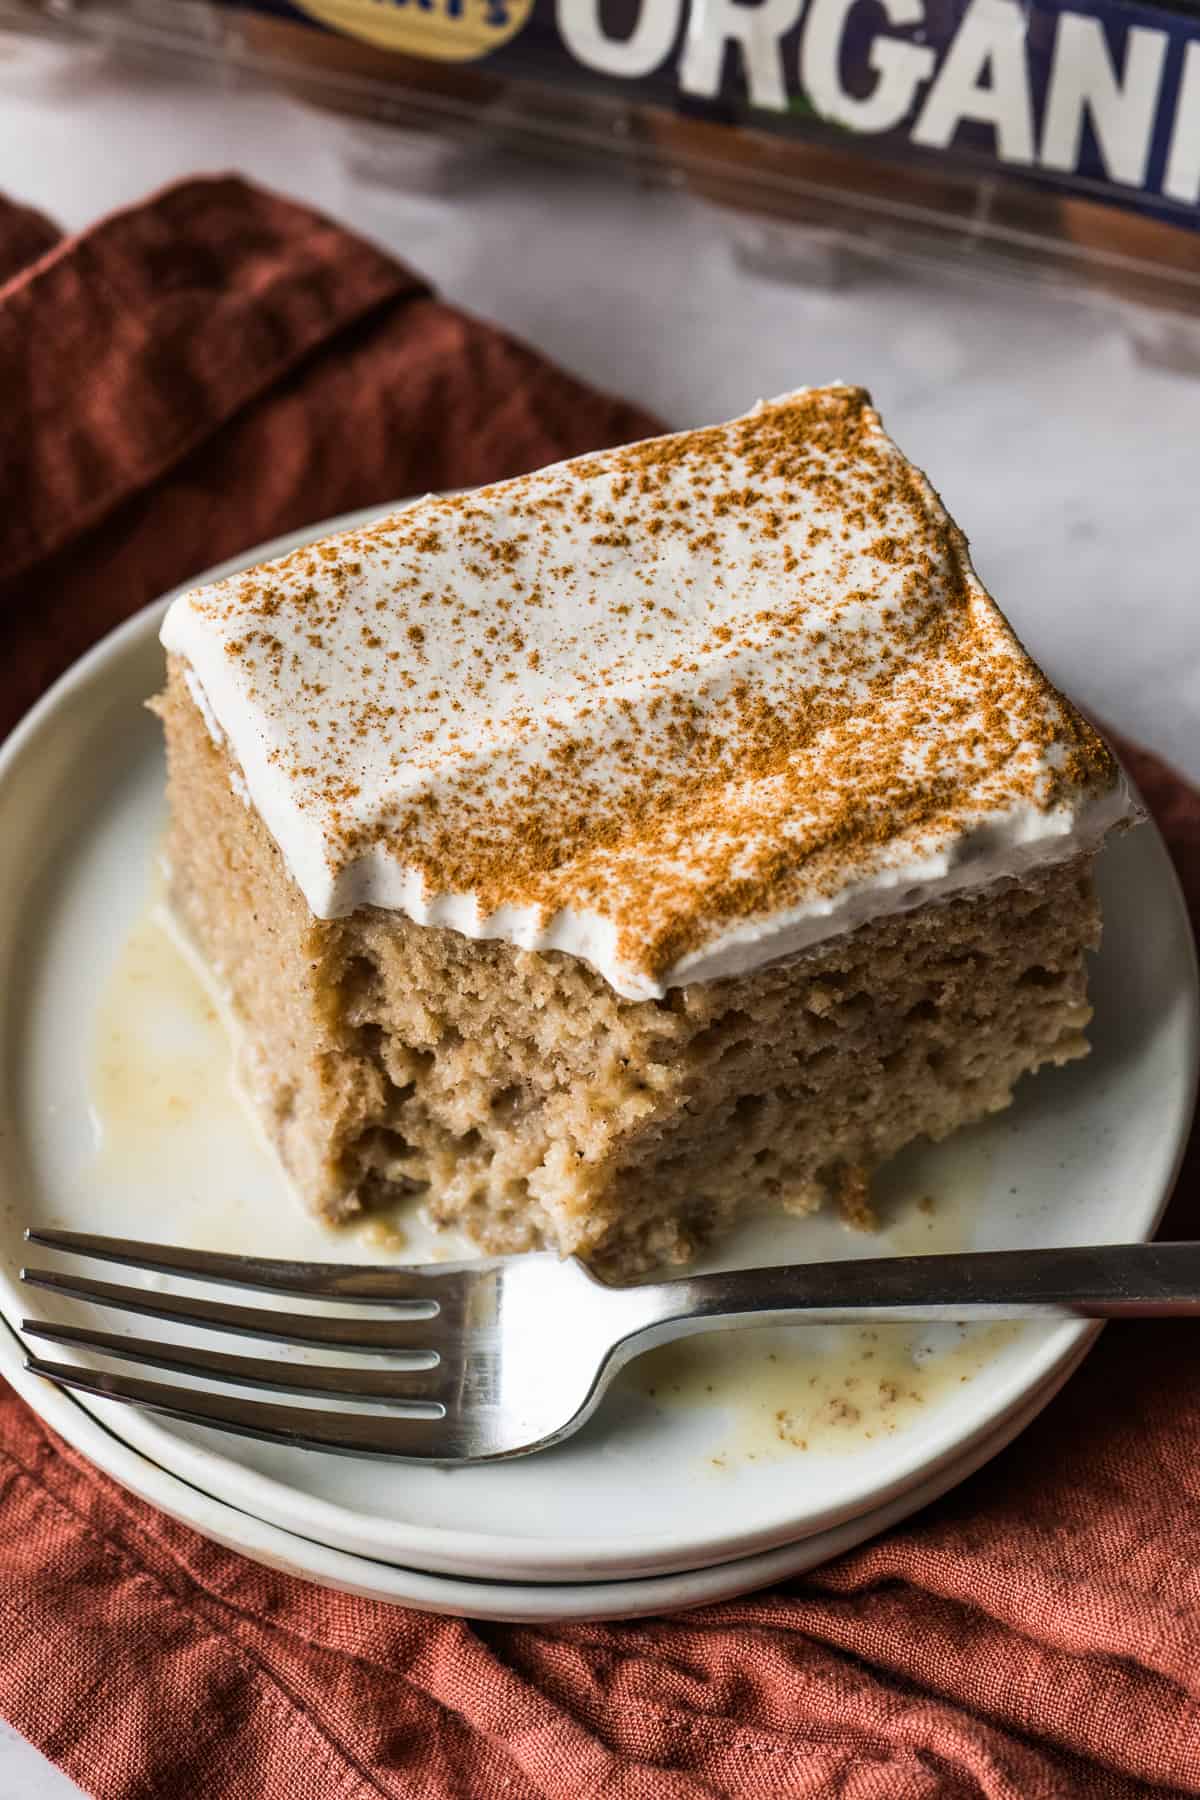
[{"x": 668, "y": 835}]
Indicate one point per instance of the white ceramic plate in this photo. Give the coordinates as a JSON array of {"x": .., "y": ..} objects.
[
  {"x": 523, "y": 1602},
  {"x": 116, "y": 1115}
]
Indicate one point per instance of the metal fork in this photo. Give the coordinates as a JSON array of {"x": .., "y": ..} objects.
[{"x": 506, "y": 1356}]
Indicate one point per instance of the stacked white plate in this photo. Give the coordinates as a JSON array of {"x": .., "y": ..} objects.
[{"x": 713, "y": 1467}]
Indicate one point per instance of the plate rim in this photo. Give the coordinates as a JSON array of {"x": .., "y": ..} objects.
[
  {"x": 457, "y": 1552},
  {"x": 504, "y": 1602}
]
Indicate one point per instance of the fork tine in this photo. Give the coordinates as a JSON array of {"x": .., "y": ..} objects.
[
  {"x": 397, "y": 1385},
  {"x": 376, "y": 1335},
  {"x": 348, "y": 1434},
  {"x": 320, "y": 1281}
]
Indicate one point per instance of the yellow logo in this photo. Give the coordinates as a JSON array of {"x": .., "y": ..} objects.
[{"x": 447, "y": 30}]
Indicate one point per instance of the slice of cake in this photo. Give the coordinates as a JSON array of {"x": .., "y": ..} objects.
[{"x": 662, "y": 837}]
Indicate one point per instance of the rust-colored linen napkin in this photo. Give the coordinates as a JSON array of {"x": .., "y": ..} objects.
[{"x": 192, "y": 376}]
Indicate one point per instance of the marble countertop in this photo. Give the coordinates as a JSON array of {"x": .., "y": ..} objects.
[{"x": 1073, "y": 466}]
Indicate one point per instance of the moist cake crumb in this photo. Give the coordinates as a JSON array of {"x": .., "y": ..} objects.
[{"x": 515, "y": 1095}]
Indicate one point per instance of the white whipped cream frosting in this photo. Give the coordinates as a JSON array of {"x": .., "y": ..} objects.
[{"x": 400, "y": 662}]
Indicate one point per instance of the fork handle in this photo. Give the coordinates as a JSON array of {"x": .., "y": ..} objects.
[{"x": 1101, "y": 1281}]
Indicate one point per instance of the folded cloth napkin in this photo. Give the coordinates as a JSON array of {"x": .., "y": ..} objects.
[{"x": 190, "y": 377}]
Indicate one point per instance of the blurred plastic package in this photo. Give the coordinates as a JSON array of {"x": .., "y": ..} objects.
[{"x": 1054, "y": 141}]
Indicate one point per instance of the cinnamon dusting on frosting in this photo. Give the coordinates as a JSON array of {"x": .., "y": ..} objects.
[{"x": 680, "y": 686}]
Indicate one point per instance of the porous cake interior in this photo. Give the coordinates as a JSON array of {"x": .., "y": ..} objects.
[{"x": 526, "y": 1102}]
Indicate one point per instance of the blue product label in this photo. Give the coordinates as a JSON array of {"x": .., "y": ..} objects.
[{"x": 1098, "y": 97}]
